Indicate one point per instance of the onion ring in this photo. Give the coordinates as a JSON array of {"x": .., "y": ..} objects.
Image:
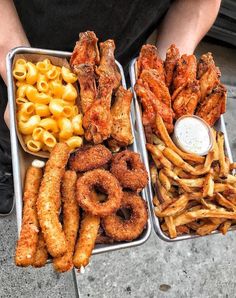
[
  {"x": 127, "y": 229},
  {"x": 105, "y": 180},
  {"x": 89, "y": 157},
  {"x": 135, "y": 178}
]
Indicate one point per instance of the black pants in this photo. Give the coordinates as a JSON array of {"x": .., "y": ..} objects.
[{"x": 5, "y": 146}]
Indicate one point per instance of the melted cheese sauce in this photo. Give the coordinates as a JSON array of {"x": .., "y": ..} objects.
[{"x": 193, "y": 135}]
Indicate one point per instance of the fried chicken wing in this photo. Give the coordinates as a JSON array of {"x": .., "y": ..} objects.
[
  {"x": 213, "y": 105},
  {"x": 87, "y": 83},
  {"x": 120, "y": 112},
  {"x": 97, "y": 120},
  {"x": 208, "y": 74},
  {"x": 172, "y": 55},
  {"x": 86, "y": 50},
  {"x": 107, "y": 66},
  {"x": 156, "y": 85},
  {"x": 152, "y": 106},
  {"x": 186, "y": 101},
  {"x": 150, "y": 59},
  {"x": 185, "y": 72}
]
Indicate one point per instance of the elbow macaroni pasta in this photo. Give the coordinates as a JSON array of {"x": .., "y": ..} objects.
[{"x": 46, "y": 109}]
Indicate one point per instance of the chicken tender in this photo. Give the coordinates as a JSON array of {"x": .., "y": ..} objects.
[
  {"x": 87, "y": 238},
  {"x": 49, "y": 195},
  {"x": 70, "y": 221},
  {"x": 27, "y": 243},
  {"x": 41, "y": 255}
]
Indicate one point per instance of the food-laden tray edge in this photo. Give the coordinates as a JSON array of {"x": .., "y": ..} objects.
[
  {"x": 220, "y": 125},
  {"x": 15, "y": 147}
]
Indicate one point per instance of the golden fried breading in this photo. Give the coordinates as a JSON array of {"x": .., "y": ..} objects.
[
  {"x": 97, "y": 120},
  {"x": 213, "y": 105},
  {"x": 107, "y": 66},
  {"x": 49, "y": 195},
  {"x": 186, "y": 101},
  {"x": 86, "y": 50},
  {"x": 208, "y": 75},
  {"x": 27, "y": 243},
  {"x": 41, "y": 255},
  {"x": 156, "y": 85},
  {"x": 172, "y": 55},
  {"x": 87, "y": 84},
  {"x": 70, "y": 221},
  {"x": 150, "y": 59},
  {"x": 89, "y": 158},
  {"x": 120, "y": 111},
  {"x": 86, "y": 242}
]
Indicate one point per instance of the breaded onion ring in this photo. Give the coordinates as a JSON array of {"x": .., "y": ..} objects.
[
  {"x": 128, "y": 168},
  {"x": 101, "y": 179},
  {"x": 127, "y": 229},
  {"x": 89, "y": 158}
]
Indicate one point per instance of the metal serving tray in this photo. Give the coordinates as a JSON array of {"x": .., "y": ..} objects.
[
  {"x": 220, "y": 125},
  {"x": 21, "y": 160}
]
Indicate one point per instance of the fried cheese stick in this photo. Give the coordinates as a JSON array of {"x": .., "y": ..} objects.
[
  {"x": 86, "y": 242},
  {"x": 47, "y": 200},
  {"x": 27, "y": 243},
  {"x": 41, "y": 255},
  {"x": 70, "y": 221}
]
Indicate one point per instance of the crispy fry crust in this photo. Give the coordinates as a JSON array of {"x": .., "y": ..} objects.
[
  {"x": 128, "y": 229},
  {"x": 41, "y": 255},
  {"x": 49, "y": 195},
  {"x": 27, "y": 243},
  {"x": 105, "y": 180},
  {"x": 86, "y": 242},
  {"x": 70, "y": 221},
  {"x": 128, "y": 168},
  {"x": 89, "y": 158}
]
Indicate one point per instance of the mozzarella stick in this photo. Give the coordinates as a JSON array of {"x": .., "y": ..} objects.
[
  {"x": 70, "y": 221},
  {"x": 27, "y": 243},
  {"x": 49, "y": 194},
  {"x": 41, "y": 255},
  {"x": 86, "y": 242}
]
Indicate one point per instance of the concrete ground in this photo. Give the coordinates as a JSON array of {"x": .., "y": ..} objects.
[{"x": 204, "y": 267}]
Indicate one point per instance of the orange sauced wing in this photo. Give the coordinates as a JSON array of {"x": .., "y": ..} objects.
[
  {"x": 86, "y": 50},
  {"x": 172, "y": 55},
  {"x": 156, "y": 85},
  {"x": 186, "y": 101},
  {"x": 97, "y": 120},
  {"x": 208, "y": 74},
  {"x": 185, "y": 72},
  {"x": 150, "y": 59},
  {"x": 87, "y": 83},
  {"x": 213, "y": 105},
  {"x": 107, "y": 66},
  {"x": 120, "y": 112}
]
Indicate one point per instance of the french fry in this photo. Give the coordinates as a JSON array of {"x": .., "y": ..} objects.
[
  {"x": 224, "y": 202},
  {"x": 197, "y": 182},
  {"x": 173, "y": 176},
  {"x": 164, "y": 180},
  {"x": 207, "y": 229},
  {"x": 169, "y": 143},
  {"x": 225, "y": 226},
  {"x": 171, "y": 227},
  {"x": 232, "y": 166},
  {"x": 223, "y": 165},
  {"x": 175, "y": 208},
  {"x": 158, "y": 156},
  {"x": 208, "y": 186}
]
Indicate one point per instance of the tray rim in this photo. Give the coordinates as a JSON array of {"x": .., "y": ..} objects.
[
  {"x": 155, "y": 219},
  {"x": 15, "y": 147}
]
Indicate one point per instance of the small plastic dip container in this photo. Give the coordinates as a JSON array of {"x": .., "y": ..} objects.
[{"x": 193, "y": 135}]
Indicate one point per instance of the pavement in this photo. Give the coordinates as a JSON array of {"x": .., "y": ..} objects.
[{"x": 204, "y": 267}]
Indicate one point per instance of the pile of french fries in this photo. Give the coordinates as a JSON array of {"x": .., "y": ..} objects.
[{"x": 193, "y": 194}]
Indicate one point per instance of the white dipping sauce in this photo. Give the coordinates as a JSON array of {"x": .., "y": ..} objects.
[{"x": 193, "y": 135}]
